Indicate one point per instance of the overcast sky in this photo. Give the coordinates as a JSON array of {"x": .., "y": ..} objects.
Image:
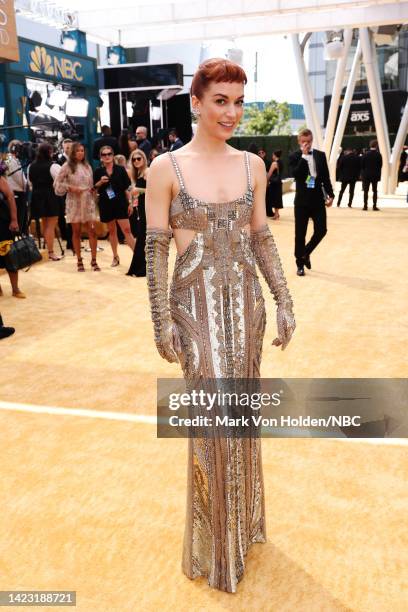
[{"x": 277, "y": 74}]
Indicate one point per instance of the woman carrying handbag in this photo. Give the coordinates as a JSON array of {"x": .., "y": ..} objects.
[{"x": 8, "y": 225}]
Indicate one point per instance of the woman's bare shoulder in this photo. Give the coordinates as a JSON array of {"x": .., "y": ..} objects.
[
  {"x": 160, "y": 162},
  {"x": 161, "y": 167},
  {"x": 161, "y": 172}
]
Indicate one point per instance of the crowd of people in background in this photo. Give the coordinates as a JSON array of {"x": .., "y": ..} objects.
[
  {"x": 352, "y": 166},
  {"x": 69, "y": 194},
  {"x": 59, "y": 190},
  {"x": 365, "y": 166}
]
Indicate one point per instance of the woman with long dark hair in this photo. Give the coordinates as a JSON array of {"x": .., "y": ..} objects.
[
  {"x": 274, "y": 198},
  {"x": 138, "y": 172},
  {"x": 76, "y": 181},
  {"x": 213, "y": 198},
  {"x": 45, "y": 204},
  {"x": 8, "y": 226}
]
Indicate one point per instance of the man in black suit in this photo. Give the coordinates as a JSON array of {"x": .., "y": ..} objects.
[
  {"x": 349, "y": 173},
  {"x": 314, "y": 192},
  {"x": 106, "y": 140},
  {"x": 371, "y": 164},
  {"x": 175, "y": 141}
]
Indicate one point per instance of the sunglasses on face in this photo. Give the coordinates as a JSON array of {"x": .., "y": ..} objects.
[
  {"x": 137, "y": 159},
  {"x": 106, "y": 154}
]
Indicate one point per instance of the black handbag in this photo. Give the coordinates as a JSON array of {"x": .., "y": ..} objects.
[{"x": 23, "y": 253}]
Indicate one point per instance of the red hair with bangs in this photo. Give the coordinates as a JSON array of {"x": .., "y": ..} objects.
[{"x": 216, "y": 70}]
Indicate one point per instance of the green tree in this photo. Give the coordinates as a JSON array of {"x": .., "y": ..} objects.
[{"x": 273, "y": 118}]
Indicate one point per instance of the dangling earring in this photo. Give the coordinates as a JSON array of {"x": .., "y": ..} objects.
[{"x": 196, "y": 112}]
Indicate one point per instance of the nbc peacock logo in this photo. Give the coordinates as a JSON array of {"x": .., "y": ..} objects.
[{"x": 41, "y": 61}]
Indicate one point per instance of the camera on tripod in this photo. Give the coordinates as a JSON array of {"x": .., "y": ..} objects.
[{"x": 24, "y": 151}]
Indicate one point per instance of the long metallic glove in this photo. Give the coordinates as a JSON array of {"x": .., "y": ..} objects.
[
  {"x": 269, "y": 263},
  {"x": 157, "y": 256}
]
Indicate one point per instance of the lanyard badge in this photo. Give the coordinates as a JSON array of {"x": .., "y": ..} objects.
[
  {"x": 110, "y": 192},
  {"x": 310, "y": 182}
]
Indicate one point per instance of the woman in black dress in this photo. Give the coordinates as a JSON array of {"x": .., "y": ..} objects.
[
  {"x": 112, "y": 182},
  {"x": 45, "y": 204},
  {"x": 138, "y": 171},
  {"x": 262, "y": 154},
  {"x": 274, "y": 190},
  {"x": 8, "y": 225}
]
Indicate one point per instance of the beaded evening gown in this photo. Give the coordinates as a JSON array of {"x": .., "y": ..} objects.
[{"x": 217, "y": 306}]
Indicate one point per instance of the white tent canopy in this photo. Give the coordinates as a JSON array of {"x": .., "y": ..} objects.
[
  {"x": 140, "y": 23},
  {"x": 145, "y": 23}
]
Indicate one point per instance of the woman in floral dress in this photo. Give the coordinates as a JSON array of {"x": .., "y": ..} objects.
[{"x": 76, "y": 180}]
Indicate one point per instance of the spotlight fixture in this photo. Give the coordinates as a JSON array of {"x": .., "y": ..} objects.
[
  {"x": 334, "y": 46},
  {"x": 76, "y": 107}
]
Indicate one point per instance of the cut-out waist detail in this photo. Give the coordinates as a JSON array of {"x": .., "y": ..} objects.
[{"x": 184, "y": 237}]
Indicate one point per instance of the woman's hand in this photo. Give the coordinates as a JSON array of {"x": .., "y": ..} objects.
[
  {"x": 130, "y": 210},
  {"x": 74, "y": 189},
  {"x": 286, "y": 325},
  {"x": 103, "y": 180},
  {"x": 13, "y": 227}
]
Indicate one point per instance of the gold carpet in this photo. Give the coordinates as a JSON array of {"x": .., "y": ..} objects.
[{"x": 97, "y": 505}]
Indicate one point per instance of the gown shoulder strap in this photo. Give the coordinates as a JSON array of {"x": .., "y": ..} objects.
[
  {"x": 177, "y": 170},
  {"x": 248, "y": 170}
]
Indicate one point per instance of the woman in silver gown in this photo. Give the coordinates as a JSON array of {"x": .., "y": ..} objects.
[{"x": 213, "y": 323}]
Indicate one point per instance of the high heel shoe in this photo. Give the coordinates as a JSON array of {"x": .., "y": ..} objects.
[{"x": 80, "y": 265}]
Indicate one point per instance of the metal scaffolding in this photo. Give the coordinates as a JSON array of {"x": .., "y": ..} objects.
[{"x": 365, "y": 52}]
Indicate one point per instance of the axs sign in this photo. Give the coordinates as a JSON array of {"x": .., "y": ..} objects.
[{"x": 360, "y": 116}]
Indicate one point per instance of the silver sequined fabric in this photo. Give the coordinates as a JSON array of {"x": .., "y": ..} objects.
[{"x": 217, "y": 305}]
